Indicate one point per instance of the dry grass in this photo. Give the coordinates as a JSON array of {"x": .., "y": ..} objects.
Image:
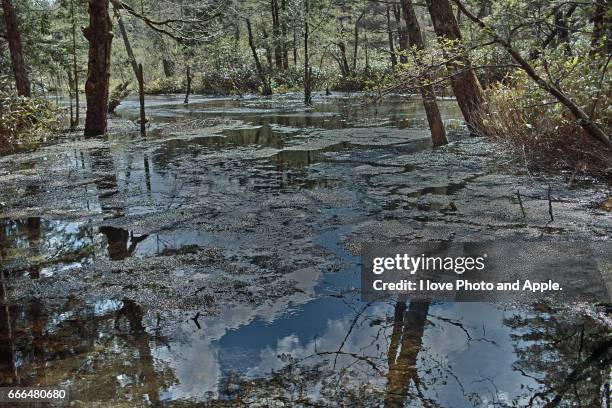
[{"x": 545, "y": 135}]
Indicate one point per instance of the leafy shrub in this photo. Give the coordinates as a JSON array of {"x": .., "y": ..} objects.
[
  {"x": 24, "y": 122},
  {"x": 165, "y": 85},
  {"x": 543, "y": 131}
]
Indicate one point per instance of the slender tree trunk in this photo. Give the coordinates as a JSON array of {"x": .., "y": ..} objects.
[
  {"x": 137, "y": 68},
  {"x": 268, "y": 52},
  {"x": 438, "y": 134},
  {"x": 402, "y": 38},
  {"x": 188, "y": 92},
  {"x": 265, "y": 84},
  {"x": 126, "y": 42},
  {"x": 294, "y": 48},
  {"x": 307, "y": 70},
  {"x": 589, "y": 126},
  {"x": 14, "y": 42},
  {"x": 99, "y": 34},
  {"x": 344, "y": 66},
  {"x": 390, "y": 36},
  {"x": 464, "y": 82},
  {"x": 284, "y": 35},
  {"x": 276, "y": 33},
  {"x": 70, "y": 90},
  {"x": 169, "y": 68},
  {"x": 356, "y": 40},
  {"x": 141, "y": 95},
  {"x": 75, "y": 70}
]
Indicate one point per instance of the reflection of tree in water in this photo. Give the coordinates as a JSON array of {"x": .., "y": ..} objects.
[
  {"x": 102, "y": 350},
  {"x": 103, "y": 169},
  {"x": 572, "y": 356},
  {"x": 31, "y": 244},
  {"x": 406, "y": 342},
  {"x": 121, "y": 243}
]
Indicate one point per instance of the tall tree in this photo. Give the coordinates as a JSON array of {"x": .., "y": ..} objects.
[
  {"x": 99, "y": 34},
  {"x": 13, "y": 37},
  {"x": 438, "y": 135},
  {"x": 465, "y": 84}
]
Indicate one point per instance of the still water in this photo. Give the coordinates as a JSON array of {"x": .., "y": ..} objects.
[{"x": 215, "y": 262}]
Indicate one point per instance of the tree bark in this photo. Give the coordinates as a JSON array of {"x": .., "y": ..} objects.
[
  {"x": 265, "y": 84},
  {"x": 438, "y": 134},
  {"x": 137, "y": 68},
  {"x": 126, "y": 42},
  {"x": 276, "y": 33},
  {"x": 13, "y": 37},
  {"x": 284, "y": 35},
  {"x": 390, "y": 37},
  {"x": 344, "y": 66},
  {"x": 356, "y": 40},
  {"x": 402, "y": 38},
  {"x": 99, "y": 34},
  {"x": 307, "y": 70},
  {"x": 589, "y": 126},
  {"x": 465, "y": 84},
  {"x": 75, "y": 70},
  {"x": 169, "y": 68},
  {"x": 188, "y": 92},
  {"x": 141, "y": 95}
]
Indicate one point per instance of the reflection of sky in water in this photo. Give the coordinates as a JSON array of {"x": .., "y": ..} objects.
[{"x": 253, "y": 343}]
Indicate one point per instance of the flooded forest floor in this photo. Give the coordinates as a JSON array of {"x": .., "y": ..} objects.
[{"x": 216, "y": 262}]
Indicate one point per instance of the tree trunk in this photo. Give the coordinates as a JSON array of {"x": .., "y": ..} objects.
[
  {"x": 14, "y": 42},
  {"x": 294, "y": 48},
  {"x": 137, "y": 68},
  {"x": 99, "y": 34},
  {"x": 284, "y": 35},
  {"x": 307, "y": 70},
  {"x": 126, "y": 42},
  {"x": 276, "y": 33},
  {"x": 75, "y": 70},
  {"x": 344, "y": 66},
  {"x": 438, "y": 134},
  {"x": 589, "y": 126},
  {"x": 356, "y": 40},
  {"x": 169, "y": 68},
  {"x": 401, "y": 33},
  {"x": 141, "y": 95},
  {"x": 464, "y": 82},
  {"x": 265, "y": 84},
  {"x": 188, "y": 92},
  {"x": 390, "y": 35},
  {"x": 268, "y": 53}
]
